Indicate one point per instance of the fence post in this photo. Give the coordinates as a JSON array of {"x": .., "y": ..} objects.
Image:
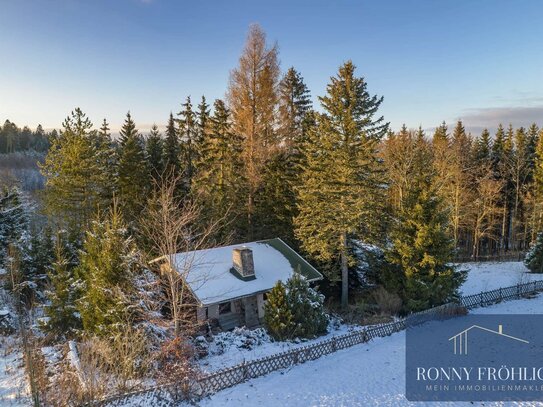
[
  {"x": 334, "y": 344},
  {"x": 518, "y": 290},
  {"x": 481, "y": 299},
  {"x": 245, "y": 370},
  {"x": 501, "y": 295}
]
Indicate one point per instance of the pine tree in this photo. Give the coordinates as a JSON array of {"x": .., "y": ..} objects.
[
  {"x": 277, "y": 315},
  {"x": 77, "y": 182},
  {"x": 422, "y": 247},
  {"x": 252, "y": 98},
  {"x": 340, "y": 182},
  {"x": 133, "y": 172},
  {"x": 61, "y": 312},
  {"x": 108, "y": 266},
  {"x": 154, "y": 147}
]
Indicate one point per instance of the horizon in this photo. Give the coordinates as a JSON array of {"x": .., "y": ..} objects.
[{"x": 147, "y": 56}]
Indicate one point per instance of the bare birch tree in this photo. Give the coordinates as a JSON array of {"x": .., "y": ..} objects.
[{"x": 172, "y": 228}]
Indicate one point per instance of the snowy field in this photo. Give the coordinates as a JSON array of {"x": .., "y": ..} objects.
[
  {"x": 371, "y": 374},
  {"x": 13, "y": 385},
  {"x": 489, "y": 276}
]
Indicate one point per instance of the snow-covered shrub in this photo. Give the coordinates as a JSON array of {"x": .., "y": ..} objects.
[
  {"x": 278, "y": 316},
  {"x": 7, "y": 322},
  {"x": 307, "y": 307},
  {"x": 240, "y": 338},
  {"x": 534, "y": 257},
  {"x": 295, "y": 310}
]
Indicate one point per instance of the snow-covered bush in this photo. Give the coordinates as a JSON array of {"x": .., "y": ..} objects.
[
  {"x": 295, "y": 310},
  {"x": 534, "y": 257},
  {"x": 307, "y": 307},
  {"x": 240, "y": 338},
  {"x": 7, "y": 322},
  {"x": 278, "y": 316}
]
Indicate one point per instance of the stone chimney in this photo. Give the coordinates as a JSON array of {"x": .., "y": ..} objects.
[{"x": 243, "y": 261}]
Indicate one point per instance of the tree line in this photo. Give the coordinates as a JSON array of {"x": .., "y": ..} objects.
[
  {"x": 13, "y": 138},
  {"x": 267, "y": 163}
]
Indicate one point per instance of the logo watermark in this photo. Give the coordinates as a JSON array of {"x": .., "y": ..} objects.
[{"x": 476, "y": 358}]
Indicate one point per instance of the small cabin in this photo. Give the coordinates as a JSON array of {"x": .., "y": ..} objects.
[{"x": 230, "y": 283}]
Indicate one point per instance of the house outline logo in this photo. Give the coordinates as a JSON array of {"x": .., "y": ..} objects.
[{"x": 460, "y": 340}]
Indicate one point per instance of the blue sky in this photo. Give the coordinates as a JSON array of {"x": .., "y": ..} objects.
[{"x": 432, "y": 60}]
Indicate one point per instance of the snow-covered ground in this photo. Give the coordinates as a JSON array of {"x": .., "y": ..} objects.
[
  {"x": 13, "y": 385},
  {"x": 489, "y": 276},
  {"x": 371, "y": 374}
]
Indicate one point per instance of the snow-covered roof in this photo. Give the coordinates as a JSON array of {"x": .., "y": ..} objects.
[{"x": 208, "y": 272}]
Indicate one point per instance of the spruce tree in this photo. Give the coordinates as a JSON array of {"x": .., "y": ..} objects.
[
  {"x": 294, "y": 104},
  {"x": 203, "y": 118},
  {"x": 108, "y": 268},
  {"x": 14, "y": 218},
  {"x": 133, "y": 172},
  {"x": 307, "y": 308},
  {"x": 538, "y": 183},
  {"x": 534, "y": 257},
  {"x": 154, "y": 147},
  {"x": 219, "y": 183},
  {"x": 276, "y": 199},
  {"x": 341, "y": 185},
  {"x": 77, "y": 182},
  {"x": 422, "y": 248},
  {"x": 188, "y": 134},
  {"x": 482, "y": 148},
  {"x": 39, "y": 257},
  {"x": 62, "y": 314},
  {"x": 278, "y": 317},
  {"x": 172, "y": 150}
]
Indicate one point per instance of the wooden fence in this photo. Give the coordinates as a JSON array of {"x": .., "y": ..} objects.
[
  {"x": 167, "y": 395},
  {"x": 509, "y": 256},
  {"x": 501, "y": 294}
]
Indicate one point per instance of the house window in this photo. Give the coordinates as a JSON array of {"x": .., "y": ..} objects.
[{"x": 225, "y": 308}]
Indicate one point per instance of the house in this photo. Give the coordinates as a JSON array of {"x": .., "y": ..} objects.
[{"x": 229, "y": 284}]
